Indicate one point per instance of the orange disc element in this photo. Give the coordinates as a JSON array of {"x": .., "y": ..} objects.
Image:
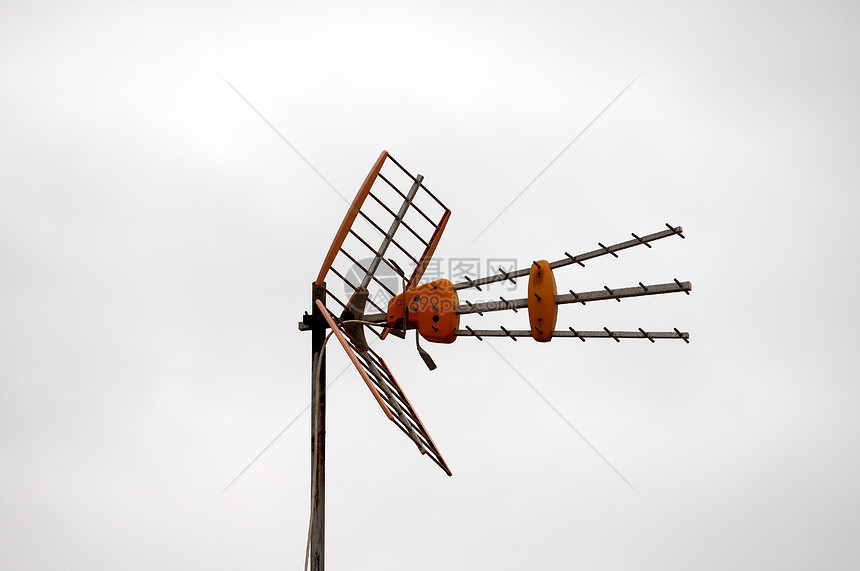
[
  {"x": 543, "y": 310},
  {"x": 431, "y": 308}
]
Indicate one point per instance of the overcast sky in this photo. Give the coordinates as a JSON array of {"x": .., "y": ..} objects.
[{"x": 158, "y": 241}]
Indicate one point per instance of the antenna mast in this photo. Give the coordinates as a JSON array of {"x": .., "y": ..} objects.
[{"x": 364, "y": 265}]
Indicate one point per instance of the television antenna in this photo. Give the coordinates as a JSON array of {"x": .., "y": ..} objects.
[{"x": 356, "y": 293}]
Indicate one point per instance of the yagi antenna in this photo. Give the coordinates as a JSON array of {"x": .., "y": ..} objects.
[{"x": 362, "y": 288}]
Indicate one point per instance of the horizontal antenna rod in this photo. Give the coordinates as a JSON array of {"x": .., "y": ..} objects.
[
  {"x": 582, "y": 335},
  {"x": 574, "y": 297},
  {"x": 578, "y": 259}
]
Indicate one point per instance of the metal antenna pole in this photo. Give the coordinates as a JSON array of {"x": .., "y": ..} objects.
[
  {"x": 318, "y": 383},
  {"x": 433, "y": 309}
]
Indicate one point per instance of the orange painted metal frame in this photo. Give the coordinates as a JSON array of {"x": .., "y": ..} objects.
[
  {"x": 429, "y": 251},
  {"x": 353, "y": 358},
  {"x": 418, "y": 420},
  {"x": 351, "y": 214}
]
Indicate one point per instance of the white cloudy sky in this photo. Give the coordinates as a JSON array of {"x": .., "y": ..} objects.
[{"x": 158, "y": 241}]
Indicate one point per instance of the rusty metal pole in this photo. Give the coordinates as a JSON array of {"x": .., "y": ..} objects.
[{"x": 318, "y": 333}]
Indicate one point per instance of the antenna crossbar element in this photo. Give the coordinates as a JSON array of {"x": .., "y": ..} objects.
[
  {"x": 578, "y": 259},
  {"x": 604, "y": 334},
  {"x": 573, "y": 297}
]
